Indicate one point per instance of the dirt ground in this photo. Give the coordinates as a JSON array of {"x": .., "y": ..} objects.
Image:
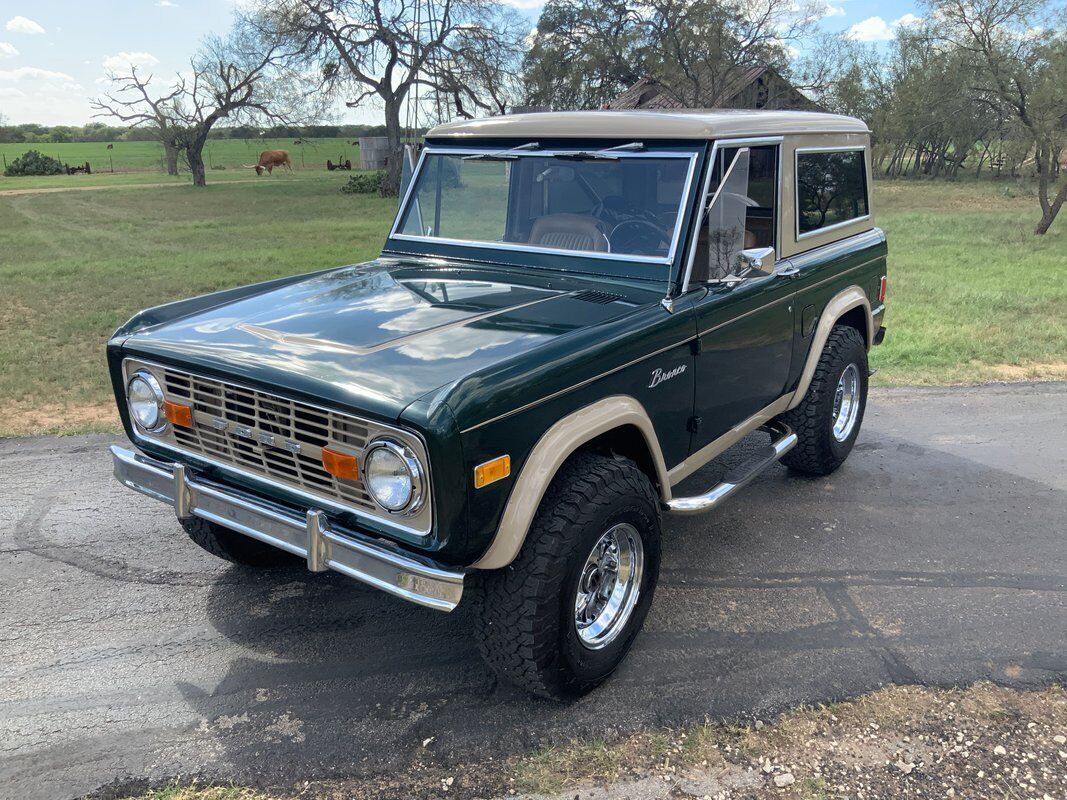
[
  {"x": 32, "y": 419},
  {"x": 981, "y": 742}
]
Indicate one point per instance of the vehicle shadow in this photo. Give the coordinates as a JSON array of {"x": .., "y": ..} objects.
[{"x": 799, "y": 590}]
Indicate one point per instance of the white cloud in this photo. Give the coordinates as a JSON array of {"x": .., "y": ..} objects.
[
  {"x": 23, "y": 25},
  {"x": 8, "y": 50},
  {"x": 831, "y": 10},
  {"x": 166, "y": 4},
  {"x": 872, "y": 29},
  {"x": 34, "y": 74},
  {"x": 524, "y": 5},
  {"x": 876, "y": 29},
  {"x": 907, "y": 19},
  {"x": 45, "y": 96},
  {"x": 124, "y": 61}
]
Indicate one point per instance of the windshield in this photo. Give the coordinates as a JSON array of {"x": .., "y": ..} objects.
[{"x": 600, "y": 203}]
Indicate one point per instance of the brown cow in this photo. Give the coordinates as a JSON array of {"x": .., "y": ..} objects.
[{"x": 269, "y": 159}]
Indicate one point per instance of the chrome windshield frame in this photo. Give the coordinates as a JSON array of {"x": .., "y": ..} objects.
[{"x": 683, "y": 198}]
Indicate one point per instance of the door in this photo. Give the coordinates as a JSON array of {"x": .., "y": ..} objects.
[{"x": 745, "y": 321}]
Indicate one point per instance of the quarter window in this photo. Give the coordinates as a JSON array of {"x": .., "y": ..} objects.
[{"x": 831, "y": 189}]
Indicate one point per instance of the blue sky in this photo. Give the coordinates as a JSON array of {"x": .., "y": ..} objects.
[{"x": 54, "y": 54}]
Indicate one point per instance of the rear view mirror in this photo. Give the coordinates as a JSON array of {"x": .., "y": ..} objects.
[
  {"x": 761, "y": 258},
  {"x": 556, "y": 175}
]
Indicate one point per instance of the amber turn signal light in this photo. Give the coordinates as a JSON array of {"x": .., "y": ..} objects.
[
  {"x": 177, "y": 414},
  {"x": 340, "y": 465},
  {"x": 492, "y": 471}
]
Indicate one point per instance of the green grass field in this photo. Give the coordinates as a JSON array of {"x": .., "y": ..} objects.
[
  {"x": 974, "y": 296},
  {"x": 226, "y": 153}
]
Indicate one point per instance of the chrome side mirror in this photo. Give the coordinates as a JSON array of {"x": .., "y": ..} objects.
[{"x": 761, "y": 258}]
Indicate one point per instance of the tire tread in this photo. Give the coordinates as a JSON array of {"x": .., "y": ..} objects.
[
  {"x": 814, "y": 452},
  {"x": 517, "y": 607}
]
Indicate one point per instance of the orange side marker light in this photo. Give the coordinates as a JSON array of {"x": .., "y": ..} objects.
[
  {"x": 177, "y": 414},
  {"x": 340, "y": 465},
  {"x": 492, "y": 471}
]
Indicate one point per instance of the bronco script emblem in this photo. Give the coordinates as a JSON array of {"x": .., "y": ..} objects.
[{"x": 659, "y": 376}]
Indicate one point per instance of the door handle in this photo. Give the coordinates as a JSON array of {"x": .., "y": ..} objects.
[{"x": 786, "y": 272}]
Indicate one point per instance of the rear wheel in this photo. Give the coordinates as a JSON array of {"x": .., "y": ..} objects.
[
  {"x": 562, "y": 616},
  {"x": 827, "y": 422},
  {"x": 236, "y": 547}
]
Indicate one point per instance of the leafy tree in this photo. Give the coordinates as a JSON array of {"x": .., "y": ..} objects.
[
  {"x": 697, "y": 50},
  {"x": 585, "y": 53},
  {"x": 1016, "y": 54}
]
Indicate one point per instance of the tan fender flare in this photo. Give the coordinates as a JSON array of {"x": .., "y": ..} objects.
[
  {"x": 841, "y": 303},
  {"x": 548, "y": 455}
]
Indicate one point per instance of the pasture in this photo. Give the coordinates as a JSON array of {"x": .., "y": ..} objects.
[
  {"x": 974, "y": 296},
  {"x": 219, "y": 154}
]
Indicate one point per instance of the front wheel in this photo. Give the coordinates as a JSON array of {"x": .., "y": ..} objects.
[
  {"x": 559, "y": 619},
  {"x": 236, "y": 547},
  {"x": 828, "y": 419}
]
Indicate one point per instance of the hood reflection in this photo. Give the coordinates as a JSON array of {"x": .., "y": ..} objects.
[{"x": 382, "y": 334}]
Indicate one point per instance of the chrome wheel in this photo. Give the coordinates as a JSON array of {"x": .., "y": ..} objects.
[
  {"x": 609, "y": 586},
  {"x": 846, "y": 403}
]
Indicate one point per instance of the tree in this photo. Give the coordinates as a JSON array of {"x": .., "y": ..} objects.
[
  {"x": 585, "y": 53},
  {"x": 132, "y": 103},
  {"x": 698, "y": 50},
  {"x": 389, "y": 50},
  {"x": 240, "y": 78},
  {"x": 1016, "y": 51}
]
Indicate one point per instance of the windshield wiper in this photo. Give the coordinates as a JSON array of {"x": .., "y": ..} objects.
[
  {"x": 607, "y": 154},
  {"x": 508, "y": 154}
]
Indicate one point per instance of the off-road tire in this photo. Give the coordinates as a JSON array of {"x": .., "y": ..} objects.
[
  {"x": 235, "y": 547},
  {"x": 817, "y": 451},
  {"x": 525, "y": 612}
]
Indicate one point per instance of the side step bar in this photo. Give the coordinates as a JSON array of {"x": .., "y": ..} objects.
[{"x": 736, "y": 478}]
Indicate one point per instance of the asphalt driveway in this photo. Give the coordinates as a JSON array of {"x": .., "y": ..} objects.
[{"x": 936, "y": 555}]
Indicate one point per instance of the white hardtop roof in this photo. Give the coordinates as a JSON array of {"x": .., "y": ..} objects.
[{"x": 673, "y": 124}]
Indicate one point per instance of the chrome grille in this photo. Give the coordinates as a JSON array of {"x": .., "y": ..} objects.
[
  {"x": 261, "y": 433},
  {"x": 272, "y": 436}
]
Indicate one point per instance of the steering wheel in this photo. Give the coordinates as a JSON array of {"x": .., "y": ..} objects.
[{"x": 638, "y": 237}]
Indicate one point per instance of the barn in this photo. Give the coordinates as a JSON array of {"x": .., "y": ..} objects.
[{"x": 758, "y": 86}]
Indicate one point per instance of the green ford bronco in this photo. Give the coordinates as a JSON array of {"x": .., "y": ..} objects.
[{"x": 571, "y": 314}]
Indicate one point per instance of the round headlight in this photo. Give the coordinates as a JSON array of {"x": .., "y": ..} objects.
[
  {"x": 393, "y": 476},
  {"x": 145, "y": 401}
]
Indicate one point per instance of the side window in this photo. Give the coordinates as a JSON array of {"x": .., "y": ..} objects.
[
  {"x": 742, "y": 214},
  {"x": 831, "y": 189},
  {"x": 760, "y": 227}
]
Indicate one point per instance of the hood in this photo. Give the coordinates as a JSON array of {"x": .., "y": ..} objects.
[{"x": 378, "y": 336}]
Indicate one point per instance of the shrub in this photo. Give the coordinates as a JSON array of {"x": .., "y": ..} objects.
[
  {"x": 364, "y": 183},
  {"x": 33, "y": 163}
]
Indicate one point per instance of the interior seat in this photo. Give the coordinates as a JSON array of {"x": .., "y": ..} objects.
[{"x": 569, "y": 232}]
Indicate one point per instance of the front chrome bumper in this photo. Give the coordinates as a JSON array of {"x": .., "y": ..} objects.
[{"x": 308, "y": 536}]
